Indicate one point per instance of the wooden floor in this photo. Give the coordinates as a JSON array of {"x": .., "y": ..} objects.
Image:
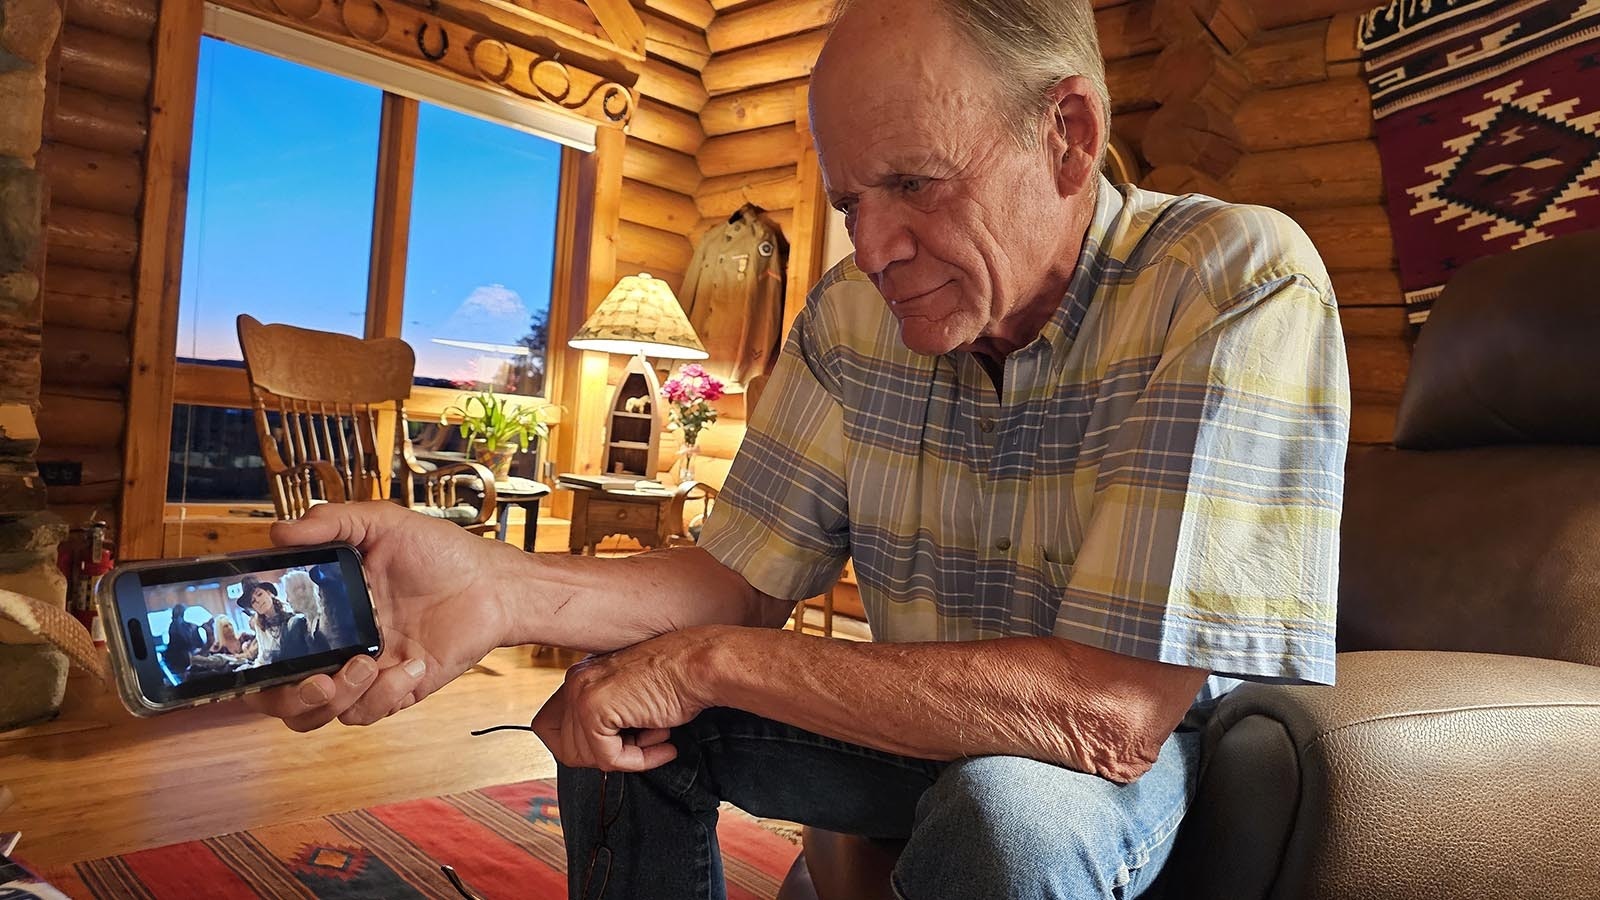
[
  {"x": 123, "y": 783},
  {"x": 98, "y": 781}
]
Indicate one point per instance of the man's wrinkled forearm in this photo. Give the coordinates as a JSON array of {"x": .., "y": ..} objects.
[
  {"x": 597, "y": 604},
  {"x": 1037, "y": 697}
]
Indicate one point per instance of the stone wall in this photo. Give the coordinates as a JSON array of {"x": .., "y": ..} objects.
[{"x": 32, "y": 674}]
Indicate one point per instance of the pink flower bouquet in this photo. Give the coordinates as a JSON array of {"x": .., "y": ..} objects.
[{"x": 689, "y": 395}]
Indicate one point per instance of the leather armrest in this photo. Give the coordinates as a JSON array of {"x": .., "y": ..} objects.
[
  {"x": 1421, "y": 774},
  {"x": 841, "y": 867}
]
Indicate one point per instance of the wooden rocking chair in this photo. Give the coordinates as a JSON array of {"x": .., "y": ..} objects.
[{"x": 333, "y": 395}]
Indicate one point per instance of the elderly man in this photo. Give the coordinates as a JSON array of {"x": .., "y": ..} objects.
[{"x": 1083, "y": 443}]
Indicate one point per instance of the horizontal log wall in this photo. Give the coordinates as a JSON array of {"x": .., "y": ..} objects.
[
  {"x": 95, "y": 129},
  {"x": 761, "y": 54},
  {"x": 659, "y": 172}
]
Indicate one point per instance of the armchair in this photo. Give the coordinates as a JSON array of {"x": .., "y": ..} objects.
[
  {"x": 332, "y": 396},
  {"x": 690, "y": 504},
  {"x": 1456, "y": 757}
]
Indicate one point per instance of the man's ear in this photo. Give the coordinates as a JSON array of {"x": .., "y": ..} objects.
[{"x": 1075, "y": 130}]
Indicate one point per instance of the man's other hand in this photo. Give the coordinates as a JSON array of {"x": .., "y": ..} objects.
[
  {"x": 437, "y": 592},
  {"x": 616, "y": 711}
]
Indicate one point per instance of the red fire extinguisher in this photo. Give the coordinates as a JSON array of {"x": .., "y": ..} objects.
[{"x": 83, "y": 557}]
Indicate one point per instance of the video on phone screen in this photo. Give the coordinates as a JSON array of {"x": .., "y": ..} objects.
[{"x": 218, "y": 626}]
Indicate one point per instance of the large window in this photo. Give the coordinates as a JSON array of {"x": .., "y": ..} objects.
[
  {"x": 291, "y": 169},
  {"x": 481, "y": 253},
  {"x": 281, "y": 179}
]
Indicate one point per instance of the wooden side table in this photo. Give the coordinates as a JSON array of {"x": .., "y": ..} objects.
[
  {"x": 597, "y": 515},
  {"x": 526, "y": 494}
]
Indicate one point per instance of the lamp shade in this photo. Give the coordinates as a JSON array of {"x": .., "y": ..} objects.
[{"x": 640, "y": 316}]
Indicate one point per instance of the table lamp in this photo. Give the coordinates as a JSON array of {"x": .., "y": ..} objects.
[{"x": 640, "y": 317}]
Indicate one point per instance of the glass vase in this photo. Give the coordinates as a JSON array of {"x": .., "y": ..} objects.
[{"x": 686, "y": 455}]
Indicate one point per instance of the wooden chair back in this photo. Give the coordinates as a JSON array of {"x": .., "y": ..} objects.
[{"x": 331, "y": 393}]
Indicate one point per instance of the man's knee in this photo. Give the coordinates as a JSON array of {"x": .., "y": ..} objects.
[{"x": 991, "y": 827}]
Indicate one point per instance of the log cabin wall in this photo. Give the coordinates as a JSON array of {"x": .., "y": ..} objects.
[
  {"x": 28, "y": 539},
  {"x": 659, "y": 173},
  {"x": 754, "y": 147},
  {"x": 1261, "y": 101},
  {"x": 94, "y": 137}
]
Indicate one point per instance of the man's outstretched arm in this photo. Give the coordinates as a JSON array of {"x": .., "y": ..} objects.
[{"x": 445, "y": 598}]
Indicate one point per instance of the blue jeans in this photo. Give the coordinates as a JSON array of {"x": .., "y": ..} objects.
[{"x": 985, "y": 827}]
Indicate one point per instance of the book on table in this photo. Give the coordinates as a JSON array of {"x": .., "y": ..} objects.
[{"x": 610, "y": 483}]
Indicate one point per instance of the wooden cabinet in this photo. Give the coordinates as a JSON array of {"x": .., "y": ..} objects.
[{"x": 597, "y": 515}]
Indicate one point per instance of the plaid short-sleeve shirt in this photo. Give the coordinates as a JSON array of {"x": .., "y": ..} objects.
[{"x": 1161, "y": 475}]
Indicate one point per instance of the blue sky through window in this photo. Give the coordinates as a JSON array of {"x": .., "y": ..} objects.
[
  {"x": 482, "y": 245},
  {"x": 279, "y": 219}
]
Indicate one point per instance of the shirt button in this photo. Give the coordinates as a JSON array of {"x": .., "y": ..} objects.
[
  {"x": 986, "y": 425},
  {"x": 1003, "y": 544}
]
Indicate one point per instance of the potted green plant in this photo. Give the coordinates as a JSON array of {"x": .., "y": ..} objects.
[{"x": 496, "y": 428}]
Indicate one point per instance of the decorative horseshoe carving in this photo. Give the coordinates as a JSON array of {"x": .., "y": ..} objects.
[{"x": 422, "y": 45}]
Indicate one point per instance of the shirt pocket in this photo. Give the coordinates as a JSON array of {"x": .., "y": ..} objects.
[
  {"x": 1041, "y": 589},
  {"x": 1055, "y": 567}
]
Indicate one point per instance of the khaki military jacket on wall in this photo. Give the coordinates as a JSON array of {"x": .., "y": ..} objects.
[{"x": 733, "y": 295}]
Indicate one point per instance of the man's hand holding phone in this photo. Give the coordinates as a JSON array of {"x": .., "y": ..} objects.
[{"x": 437, "y": 592}]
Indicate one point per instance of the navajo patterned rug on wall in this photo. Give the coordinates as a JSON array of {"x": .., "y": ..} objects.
[
  {"x": 503, "y": 842},
  {"x": 1488, "y": 124}
]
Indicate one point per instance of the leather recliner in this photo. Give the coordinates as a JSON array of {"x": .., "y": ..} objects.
[{"x": 1459, "y": 754}]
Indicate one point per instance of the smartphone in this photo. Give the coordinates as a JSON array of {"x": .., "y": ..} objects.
[{"x": 187, "y": 632}]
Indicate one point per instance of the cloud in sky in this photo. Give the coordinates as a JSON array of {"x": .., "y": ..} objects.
[{"x": 492, "y": 302}]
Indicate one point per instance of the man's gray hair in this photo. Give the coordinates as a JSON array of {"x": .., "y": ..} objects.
[{"x": 1033, "y": 45}]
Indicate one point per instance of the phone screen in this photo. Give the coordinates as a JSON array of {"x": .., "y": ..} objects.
[{"x": 218, "y": 626}]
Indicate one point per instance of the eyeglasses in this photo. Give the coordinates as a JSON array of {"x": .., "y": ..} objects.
[
  {"x": 600, "y": 855},
  {"x": 458, "y": 884}
]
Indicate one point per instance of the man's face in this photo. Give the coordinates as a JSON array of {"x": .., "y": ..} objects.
[
  {"x": 955, "y": 222},
  {"x": 261, "y": 600}
]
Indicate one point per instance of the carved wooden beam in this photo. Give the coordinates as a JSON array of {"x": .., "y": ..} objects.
[
  {"x": 577, "y": 37},
  {"x": 534, "y": 64}
]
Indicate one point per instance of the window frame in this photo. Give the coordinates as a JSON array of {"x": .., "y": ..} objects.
[{"x": 201, "y": 384}]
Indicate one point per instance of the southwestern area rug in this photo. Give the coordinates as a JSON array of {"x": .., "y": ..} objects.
[
  {"x": 504, "y": 842},
  {"x": 1488, "y": 125}
]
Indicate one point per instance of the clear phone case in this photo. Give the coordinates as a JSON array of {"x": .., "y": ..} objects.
[{"x": 123, "y": 665}]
